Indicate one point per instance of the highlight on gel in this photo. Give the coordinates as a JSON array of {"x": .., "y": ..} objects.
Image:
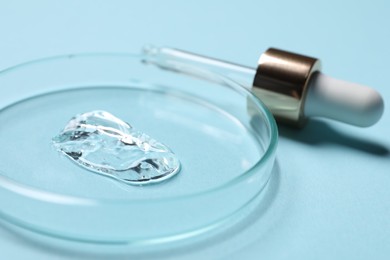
[{"x": 103, "y": 143}]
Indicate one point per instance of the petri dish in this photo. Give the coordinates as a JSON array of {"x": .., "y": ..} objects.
[{"x": 223, "y": 135}]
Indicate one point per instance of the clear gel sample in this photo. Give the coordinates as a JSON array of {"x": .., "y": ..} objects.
[{"x": 105, "y": 144}]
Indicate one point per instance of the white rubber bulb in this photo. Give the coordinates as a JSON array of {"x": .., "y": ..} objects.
[{"x": 343, "y": 101}]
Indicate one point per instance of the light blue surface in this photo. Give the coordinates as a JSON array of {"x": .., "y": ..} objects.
[{"x": 332, "y": 183}]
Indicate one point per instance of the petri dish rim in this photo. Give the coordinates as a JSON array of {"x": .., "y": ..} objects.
[{"x": 225, "y": 81}]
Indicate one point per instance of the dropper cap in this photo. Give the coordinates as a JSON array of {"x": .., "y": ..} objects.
[{"x": 293, "y": 89}]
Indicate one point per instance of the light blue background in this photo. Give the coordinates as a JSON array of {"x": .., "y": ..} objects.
[{"x": 333, "y": 185}]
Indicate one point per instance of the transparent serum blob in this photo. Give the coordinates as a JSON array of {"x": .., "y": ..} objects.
[{"x": 106, "y": 145}]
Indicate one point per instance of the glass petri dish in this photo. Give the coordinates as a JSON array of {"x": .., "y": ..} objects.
[{"x": 224, "y": 137}]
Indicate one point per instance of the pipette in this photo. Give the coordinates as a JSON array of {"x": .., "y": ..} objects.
[{"x": 291, "y": 85}]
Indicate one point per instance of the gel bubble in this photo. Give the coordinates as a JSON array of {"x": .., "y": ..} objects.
[{"x": 103, "y": 143}]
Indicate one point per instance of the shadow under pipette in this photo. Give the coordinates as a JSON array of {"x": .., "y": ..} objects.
[{"x": 318, "y": 132}]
